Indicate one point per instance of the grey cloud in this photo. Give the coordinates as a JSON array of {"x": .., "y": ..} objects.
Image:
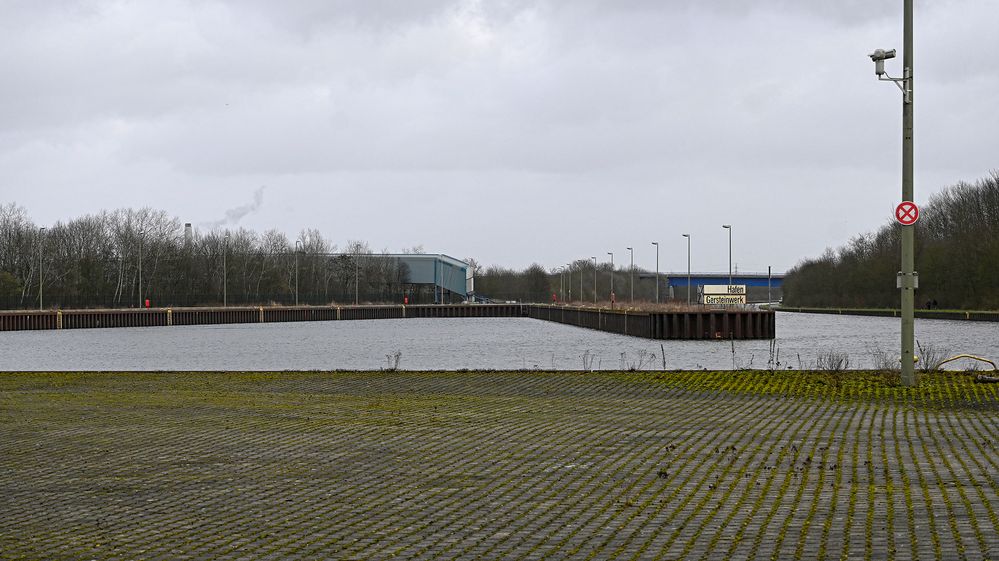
[{"x": 584, "y": 100}]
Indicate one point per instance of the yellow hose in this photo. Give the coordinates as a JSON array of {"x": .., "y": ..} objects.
[{"x": 971, "y": 357}]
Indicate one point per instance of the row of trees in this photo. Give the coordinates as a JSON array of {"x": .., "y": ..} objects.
[
  {"x": 122, "y": 258},
  {"x": 578, "y": 281},
  {"x": 957, "y": 253}
]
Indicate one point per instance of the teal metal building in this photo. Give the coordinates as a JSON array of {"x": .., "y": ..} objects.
[{"x": 449, "y": 277}]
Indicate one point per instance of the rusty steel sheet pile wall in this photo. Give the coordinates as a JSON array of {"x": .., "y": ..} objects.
[
  {"x": 701, "y": 324},
  {"x": 86, "y": 319}
]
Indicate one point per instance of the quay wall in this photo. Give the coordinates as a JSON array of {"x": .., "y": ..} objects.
[
  {"x": 707, "y": 323},
  {"x": 959, "y": 315}
]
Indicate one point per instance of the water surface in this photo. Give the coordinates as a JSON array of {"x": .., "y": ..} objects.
[{"x": 470, "y": 343}]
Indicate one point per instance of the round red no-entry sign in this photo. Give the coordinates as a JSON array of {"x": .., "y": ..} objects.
[{"x": 907, "y": 213}]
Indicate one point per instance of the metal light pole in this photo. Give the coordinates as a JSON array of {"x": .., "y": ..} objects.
[
  {"x": 907, "y": 278},
  {"x": 908, "y": 232},
  {"x": 611, "y": 275},
  {"x": 357, "y": 277},
  {"x": 561, "y": 282},
  {"x": 594, "y": 279},
  {"x": 298, "y": 243},
  {"x": 729, "y": 228},
  {"x": 688, "y": 267},
  {"x": 632, "y": 250},
  {"x": 141, "y": 234},
  {"x": 41, "y": 242},
  {"x": 225, "y": 273},
  {"x": 568, "y": 283},
  {"x": 657, "y": 270},
  {"x": 770, "y": 298}
]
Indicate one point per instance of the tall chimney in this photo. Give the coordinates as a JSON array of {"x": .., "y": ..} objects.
[{"x": 188, "y": 235}]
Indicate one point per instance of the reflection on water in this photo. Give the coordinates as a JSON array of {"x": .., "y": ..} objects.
[{"x": 472, "y": 343}]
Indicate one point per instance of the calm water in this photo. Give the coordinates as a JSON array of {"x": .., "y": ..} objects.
[{"x": 472, "y": 343}]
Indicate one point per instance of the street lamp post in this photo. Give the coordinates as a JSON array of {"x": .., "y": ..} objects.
[
  {"x": 594, "y": 279},
  {"x": 225, "y": 273},
  {"x": 657, "y": 270},
  {"x": 561, "y": 282},
  {"x": 611, "y": 253},
  {"x": 141, "y": 234},
  {"x": 298, "y": 244},
  {"x": 357, "y": 290},
  {"x": 770, "y": 298},
  {"x": 688, "y": 267},
  {"x": 568, "y": 284},
  {"x": 41, "y": 242},
  {"x": 907, "y": 277},
  {"x": 632, "y": 271},
  {"x": 729, "y": 228}
]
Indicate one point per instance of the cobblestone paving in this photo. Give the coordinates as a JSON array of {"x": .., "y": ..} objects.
[{"x": 496, "y": 466}]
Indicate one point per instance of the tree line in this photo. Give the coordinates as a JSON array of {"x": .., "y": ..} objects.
[
  {"x": 957, "y": 253},
  {"x": 122, "y": 258},
  {"x": 580, "y": 281}
]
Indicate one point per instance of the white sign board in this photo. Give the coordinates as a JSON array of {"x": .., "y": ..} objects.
[
  {"x": 725, "y": 289},
  {"x": 725, "y": 299}
]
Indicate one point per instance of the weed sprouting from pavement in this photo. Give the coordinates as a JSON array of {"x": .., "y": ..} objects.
[
  {"x": 930, "y": 356},
  {"x": 832, "y": 361},
  {"x": 393, "y": 360},
  {"x": 773, "y": 363},
  {"x": 884, "y": 361},
  {"x": 645, "y": 358}
]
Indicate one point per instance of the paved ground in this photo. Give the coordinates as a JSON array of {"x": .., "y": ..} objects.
[{"x": 496, "y": 465}]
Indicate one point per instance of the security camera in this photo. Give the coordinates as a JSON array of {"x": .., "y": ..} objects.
[
  {"x": 879, "y": 57},
  {"x": 882, "y": 54}
]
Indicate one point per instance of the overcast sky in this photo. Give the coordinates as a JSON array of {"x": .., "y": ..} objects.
[{"x": 511, "y": 131}]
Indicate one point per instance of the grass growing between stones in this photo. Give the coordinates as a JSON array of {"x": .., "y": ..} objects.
[{"x": 485, "y": 465}]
